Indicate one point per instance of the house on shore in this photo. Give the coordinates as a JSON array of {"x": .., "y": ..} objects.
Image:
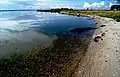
[{"x": 115, "y": 7}]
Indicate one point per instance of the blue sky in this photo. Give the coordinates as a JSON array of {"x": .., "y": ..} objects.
[{"x": 46, "y": 4}]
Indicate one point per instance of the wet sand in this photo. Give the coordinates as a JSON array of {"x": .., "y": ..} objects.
[{"x": 102, "y": 58}]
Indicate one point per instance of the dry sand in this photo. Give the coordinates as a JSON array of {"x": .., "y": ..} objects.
[{"x": 102, "y": 58}]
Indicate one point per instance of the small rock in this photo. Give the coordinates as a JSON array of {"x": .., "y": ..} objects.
[
  {"x": 113, "y": 74},
  {"x": 78, "y": 14},
  {"x": 96, "y": 23},
  {"x": 102, "y": 25},
  {"x": 103, "y": 34},
  {"x": 107, "y": 55},
  {"x": 106, "y": 61},
  {"x": 99, "y": 37},
  {"x": 118, "y": 35},
  {"x": 96, "y": 39},
  {"x": 26, "y": 68},
  {"x": 108, "y": 48},
  {"x": 106, "y": 31}
]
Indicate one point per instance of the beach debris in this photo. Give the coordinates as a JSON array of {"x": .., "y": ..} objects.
[
  {"x": 78, "y": 14},
  {"x": 113, "y": 74},
  {"x": 88, "y": 15},
  {"x": 96, "y": 23},
  {"x": 116, "y": 50},
  {"x": 113, "y": 33},
  {"x": 118, "y": 35},
  {"x": 102, "y": 25},
  {"x": 103, "y": 34},
  {"x": 97, "y": 38},
  {"x": 107, "y": 55},
  {"x": 93, "y": 18},
  {"x": 106, "y": 61},
  {"x": 106, "y": 31}
]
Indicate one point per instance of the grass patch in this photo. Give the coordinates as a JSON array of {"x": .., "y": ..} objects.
[{"x": 110, "y": 14}]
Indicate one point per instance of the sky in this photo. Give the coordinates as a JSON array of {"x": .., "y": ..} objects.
[{"x": 48, "y": 4}]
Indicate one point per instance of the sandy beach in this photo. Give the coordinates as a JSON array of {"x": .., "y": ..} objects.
[{"x": 102, "y": 58}]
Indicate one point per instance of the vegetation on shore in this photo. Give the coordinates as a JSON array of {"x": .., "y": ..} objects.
[
  {"x": 104, "y": 13},
  {"x": 110, "y": 14},
  {"x": 58, "y": 10},
  {"x": 58, "y": 60}
]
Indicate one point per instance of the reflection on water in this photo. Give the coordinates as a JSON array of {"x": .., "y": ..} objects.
[{"x": 21, "y": 31}]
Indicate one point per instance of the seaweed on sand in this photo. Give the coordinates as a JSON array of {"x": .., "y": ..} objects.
[{"x": 57, "y": 60}]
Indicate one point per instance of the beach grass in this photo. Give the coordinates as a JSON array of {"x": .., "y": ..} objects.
[{"x": 103, "y": 13}]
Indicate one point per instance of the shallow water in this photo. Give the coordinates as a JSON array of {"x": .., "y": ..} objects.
[{"x": 22, "y": 31}]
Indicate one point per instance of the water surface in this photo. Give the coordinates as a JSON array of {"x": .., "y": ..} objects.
[{"x": 22, "y": 31}]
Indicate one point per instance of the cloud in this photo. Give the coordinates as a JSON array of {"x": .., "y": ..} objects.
[
  {"x": 86, "y": 5},
  {"x": 110, "y": 4},
  {"x": 93, "y": 5},
  {"x": 5, "y": 2},
  {"x": 17, "y": 4},
  {"x": 117, "y": 0},
  {"x": 57, "y": 4},
  {"x": 36, "y": 4},
  {"x": 47, "y": 4}
]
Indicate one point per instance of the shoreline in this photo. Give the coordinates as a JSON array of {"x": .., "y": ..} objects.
[
  {"x": 102, "y": 58},
  {"x": 69, "y": 58},
  {"x": 57, "y": 60}
]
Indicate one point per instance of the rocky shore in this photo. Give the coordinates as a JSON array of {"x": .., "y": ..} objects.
[{"x": 102, "y": 58}]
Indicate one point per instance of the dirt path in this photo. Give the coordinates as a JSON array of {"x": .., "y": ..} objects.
[{"x": 103, "y": 57}]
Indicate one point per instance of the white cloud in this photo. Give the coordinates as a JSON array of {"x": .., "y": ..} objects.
[
  {"x": 5, "y": 2},
  {"x": 94, "y": 5},
  {"x": 86, "y": 5},
  {"x": 47, "y": 4},
  {"x": 57, "y": 4},
  {"x": 110, "y": 4}
]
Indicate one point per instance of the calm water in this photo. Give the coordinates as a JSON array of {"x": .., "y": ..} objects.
[{"x": 21, "y": 31}]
